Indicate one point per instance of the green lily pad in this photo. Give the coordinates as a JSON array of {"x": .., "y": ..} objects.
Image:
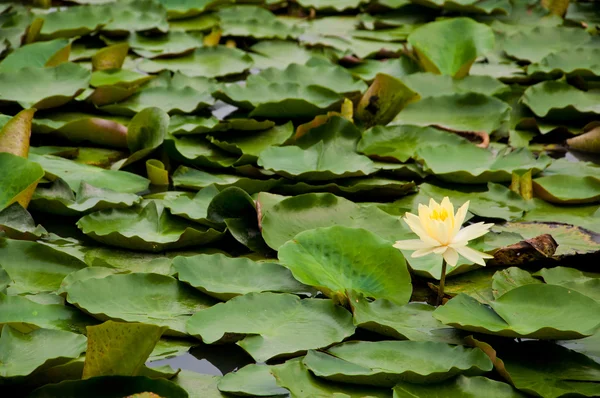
[
  {"x": 48, "y": 53},
  {"x": 177, "y": 94},
  {"x": 197, "y": 151},
  {"x": 268, "y": 325},
  {"x": 75, "y": 21},
  {"x": 103, "y": 130},
  {"x": 188, "y": 124},
  {"x": 537, "y": 43},
  {"x": 107, "y": 343},
  {"x": 205, "y": 61},
  {"x": 21, "y": 354},
  {"x": 146, "y": 227},
  {"x": 251, "y": 144},
  {"x": 449, "y": 47},
  {"x": 339, "y": 5},
  {"x": 147, "y": 298},
  {"x": 584, "y": 216},
  {"x": 92, "y": 272},
  {"x": 580, "y": 190},
  {"x": 257, "y": 22},
  {"x": 278, "y": 53},
  {"x": 430, "y": 85},
  {"x": 20, "y": 175},
  {"x": 574, "y": 279},
  {"x": 385, "y": 363},
  {"x": 468, "y": 164},
  {"x": 252, "y": 380},
  {"x": 111, "y": 387},
  {"x": 461, "y": 386},
  {"x": 460, "y": 112},
  {"x": 577, "y": 61},
  {"x": 43, "y": 88},
  {"x": 413, "y": 321},
  {"x": 552, "y": 97},
  {"x": 395, "y": 67},
  {"x": 337, "y": 260},
  {"x": 295, "y": 377},
  {"x": 324, "y": 153},
  {"x": 549, "y": 370},
  {"x": 195, "y": 208},
  {"x": 281, "y": 100},
  {"x": 34, "y": 267},
  {"x": 524, "y": 312},
  {"x": 17, "y": 223},
  {"x": 74, "y": 173},
  {"x": 401, "y": 142},
  {"x": 58, "y": 198},
  {"x": 507, "y": 279},
  {"x": 136, "y": 15},
  {"x": 174, "y": 43},
  {"x": 293, "y": 215},
  {"x": 226, "y": 277},
  {"x": 25, "y": 315},
  {"x": 188, "y": 178}
]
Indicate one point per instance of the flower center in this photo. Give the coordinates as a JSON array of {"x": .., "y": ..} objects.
[{"x": 439, "y": 215}]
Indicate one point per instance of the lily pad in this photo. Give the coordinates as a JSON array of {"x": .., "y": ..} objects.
[
  {"x": 146, "y": 227},
  {"x": 337, "y": 260},
  {"x": 41, "y": 54},
  {"x": 25, "y": 315},
  {"x": 169, "y": 44},
  {"x": 188, "y": 178},
  {"x": 34, "y": 267},
  {"x": 75, "y": 21},
  {"x": 21, "y": 354},
  {"x": 449, "y": 47},
  {"x": 295, "y": 377},
  {"x": 43, "y": 88},
  {"x": 523, "y": 312},
  {"x": 577, "y": 61},
  {"x": 552, "y": 97},
  {"x": 385, "y": 363},
  {"x": 293, "y": 215},
  {"x": 325, "y": 152},
  {"x": 20, "y": 175},
  {"x": 574, "y": 279},
  {"x": 469, "y": 164},
  {"x": 457, "y": 112},
  {"x": 147, "y": 298},
  {"x": 430, "y": 85},
  {"x": 58, "y": 198},
  {"x": 413, "y": 321},
  {"x": 225, "y": 277},
  {"x": 205, "y": 61},
  {"x": 265, "y": 334},
  {"x": 74, "y": 173},
  {"x": 254, "y": 380},
  {"x": 537, "y": 43},
  {"x": 461, "y": 386},
  {"x": 257, "y": 22},
  {"x": 17, "y": 223}
]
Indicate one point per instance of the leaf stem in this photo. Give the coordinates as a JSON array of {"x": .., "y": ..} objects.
[{"x": 442, "y": 283}]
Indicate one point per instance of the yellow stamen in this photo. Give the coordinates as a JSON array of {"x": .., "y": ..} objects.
[{"x": 439, "y": 215}]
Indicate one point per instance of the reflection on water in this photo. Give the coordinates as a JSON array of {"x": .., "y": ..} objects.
[{"x": 208, "y": 359}]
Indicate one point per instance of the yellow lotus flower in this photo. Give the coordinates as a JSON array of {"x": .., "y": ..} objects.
[{"x": 440, "y": 232}]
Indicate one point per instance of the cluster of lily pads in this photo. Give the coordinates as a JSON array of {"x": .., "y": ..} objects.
[{"x": 176, "y": 173}]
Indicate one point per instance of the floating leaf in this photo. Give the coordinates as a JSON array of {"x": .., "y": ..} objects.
[
  {"x": 146, "y": 227},
  {"x": 255, "y": 380},
  {"x": 278, "y": 53},
  {"x": 111, "y": 57},
  {"x": 74, "y": 173},
  {"x": 119, "y": 349},
  {"x": 460, "y": 386},
  {"x": 385, "y": 363},
  {"x": 40, "y": 54},
  {"x": 338, "y": 260},
  {"x": 157, "y": 173},
  {"x": 225, "y": 277},
  {"x": 21, "y": 354},
  {"x": 34, "y": 267},
  {"x": 574, "y": 279},
  {"x": 257, "y": 22},
  {"x": 25, "y": 315},
  {"x": 188, "y": 178},
  {"x": 169, "y": 44},
  {"x": 325, "y": 152},
  {"x": 449, "y": 47},
  {"x": 457, "y": 112},
  {"x": 147, "y": 298},
  {"x": 295, "y": 377},
  {"x": 266, "y": 319},
  {"x": 395, "y": 67},
  {"x": 205, "y": 61},
  {"x": 136, "y": 15},
  {"x": 413, "y": 321},
  {"x": 535, "y": 44},
  {"x": 524, "y": 312},
  {"x": 293, "y": 215},
  {"x": 74, "y": 21},
  {"x": 43, "y": 88},
  {"x": 554, "y": 97},
  {"x": 17, "y": 223},
  {"x": 431, "y": 85},
  {"x": 572, "y": 61}
]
